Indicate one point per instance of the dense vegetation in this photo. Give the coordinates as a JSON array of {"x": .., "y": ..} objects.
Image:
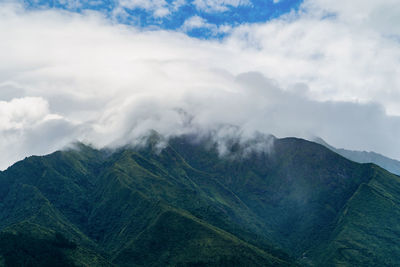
[
  {"x": 296, "y": 204},
  {"x": 365, "y": 157}
]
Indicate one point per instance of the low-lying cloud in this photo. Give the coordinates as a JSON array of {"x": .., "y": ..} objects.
[{"x": 67, "y": 77}]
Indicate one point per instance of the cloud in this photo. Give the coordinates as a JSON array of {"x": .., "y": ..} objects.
[
  {"x": 71, "y": 4},
  {"x": 381, "y": 16},
  {"x": 159, "y": 8},
  {"x": 219, "y": 5},
  {"x": 67, "y": 76},
  {"x": 337, "y": 58},
  {"x": 197, "y": 22},
  {"x": 26, "y": 124},
  {"x": 20, "y": 112}
]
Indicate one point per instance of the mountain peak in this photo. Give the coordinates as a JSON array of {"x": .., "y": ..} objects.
[{"x": 188, "y": 202}]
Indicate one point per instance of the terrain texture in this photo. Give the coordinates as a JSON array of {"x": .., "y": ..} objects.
[{"x": 296, "y": 203}]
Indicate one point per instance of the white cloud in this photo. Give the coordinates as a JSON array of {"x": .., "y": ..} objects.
[
  {"x": 337, "y": 59},
  {"x": 71, "y": 4},
  {"x": 381, "y": 16},
  {"x": 22, "y": 112},
  {"x": 160, "y": 8},
  {"x": 176, "y": 4},
  {"x": 20, "y": 121},
  {"x": 66, "y": 77},
  {"x": 219, "y": 5},
  {"x": 197, "y": 22}
]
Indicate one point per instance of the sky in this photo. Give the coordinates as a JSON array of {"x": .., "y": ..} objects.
[
  {"x": 108, "y": 72},
  {"x": 197, "y": 18}
]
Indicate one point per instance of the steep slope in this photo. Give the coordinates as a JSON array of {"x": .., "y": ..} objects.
[
  {"x": 367, "y": 232},
  {"x": 102, "y": 202},
  {"x": 365, "y": 157},
  {"x": 29, "y": 244},
  {"x": 179, "y": 239},
  {"x": 186, "y": 205},
  {"x": 297, "y": 190},
  {"x": 38, "y": 204}
]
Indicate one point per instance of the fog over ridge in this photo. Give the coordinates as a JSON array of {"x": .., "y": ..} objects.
[{"x": 78, "y": 77}]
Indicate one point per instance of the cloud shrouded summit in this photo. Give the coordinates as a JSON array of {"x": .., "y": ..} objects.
[{"x": 326, "y": 70}]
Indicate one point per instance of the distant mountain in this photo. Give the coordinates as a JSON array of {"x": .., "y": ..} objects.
[
  {"x": 299, "y": 204},
  {"x": 365, "y": 157}
]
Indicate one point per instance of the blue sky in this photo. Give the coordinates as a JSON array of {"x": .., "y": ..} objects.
[
  {"x": 204, "y": 18},
  {"x": 82, "y": 74}
]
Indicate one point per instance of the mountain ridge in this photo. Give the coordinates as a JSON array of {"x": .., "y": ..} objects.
[
  {"x": 387, "y": 163},
  {"x": 187, "y": 204}
]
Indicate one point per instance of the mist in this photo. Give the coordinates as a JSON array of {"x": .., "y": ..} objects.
[{"x": 67, "y": 77}]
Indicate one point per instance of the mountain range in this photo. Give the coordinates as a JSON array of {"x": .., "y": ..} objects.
[
  {"x": 296, "y": 203},
  {"x": 389, "y": 164}
]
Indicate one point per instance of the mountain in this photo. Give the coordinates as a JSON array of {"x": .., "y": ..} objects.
[
  {"x": 365, "y": 157},
  {"x": 296, "y": 203}
]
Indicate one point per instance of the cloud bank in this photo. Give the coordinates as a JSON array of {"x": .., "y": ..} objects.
[{"x": 328, "y": 70}]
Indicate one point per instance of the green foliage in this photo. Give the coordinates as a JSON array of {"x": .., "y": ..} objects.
[
  {"x": 179, "y": 239},
  {"x": 389, "y": 164},
  {"x": 61, "y": 241},
  {"x": 368, "y": 229},
  {"x": 187, "y": 206},
  {"x": 26, "y": 250}
]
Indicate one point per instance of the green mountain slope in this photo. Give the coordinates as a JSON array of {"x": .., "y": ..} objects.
[
  {"x": 367, "y": 232},
  {"x": 389, "y": 164},
  {"x": 179, "y": 239},
  {"x": 188, "y": 206},
  {"x": 297, "y": 190},
  {"x": 28, "y": 244}
]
